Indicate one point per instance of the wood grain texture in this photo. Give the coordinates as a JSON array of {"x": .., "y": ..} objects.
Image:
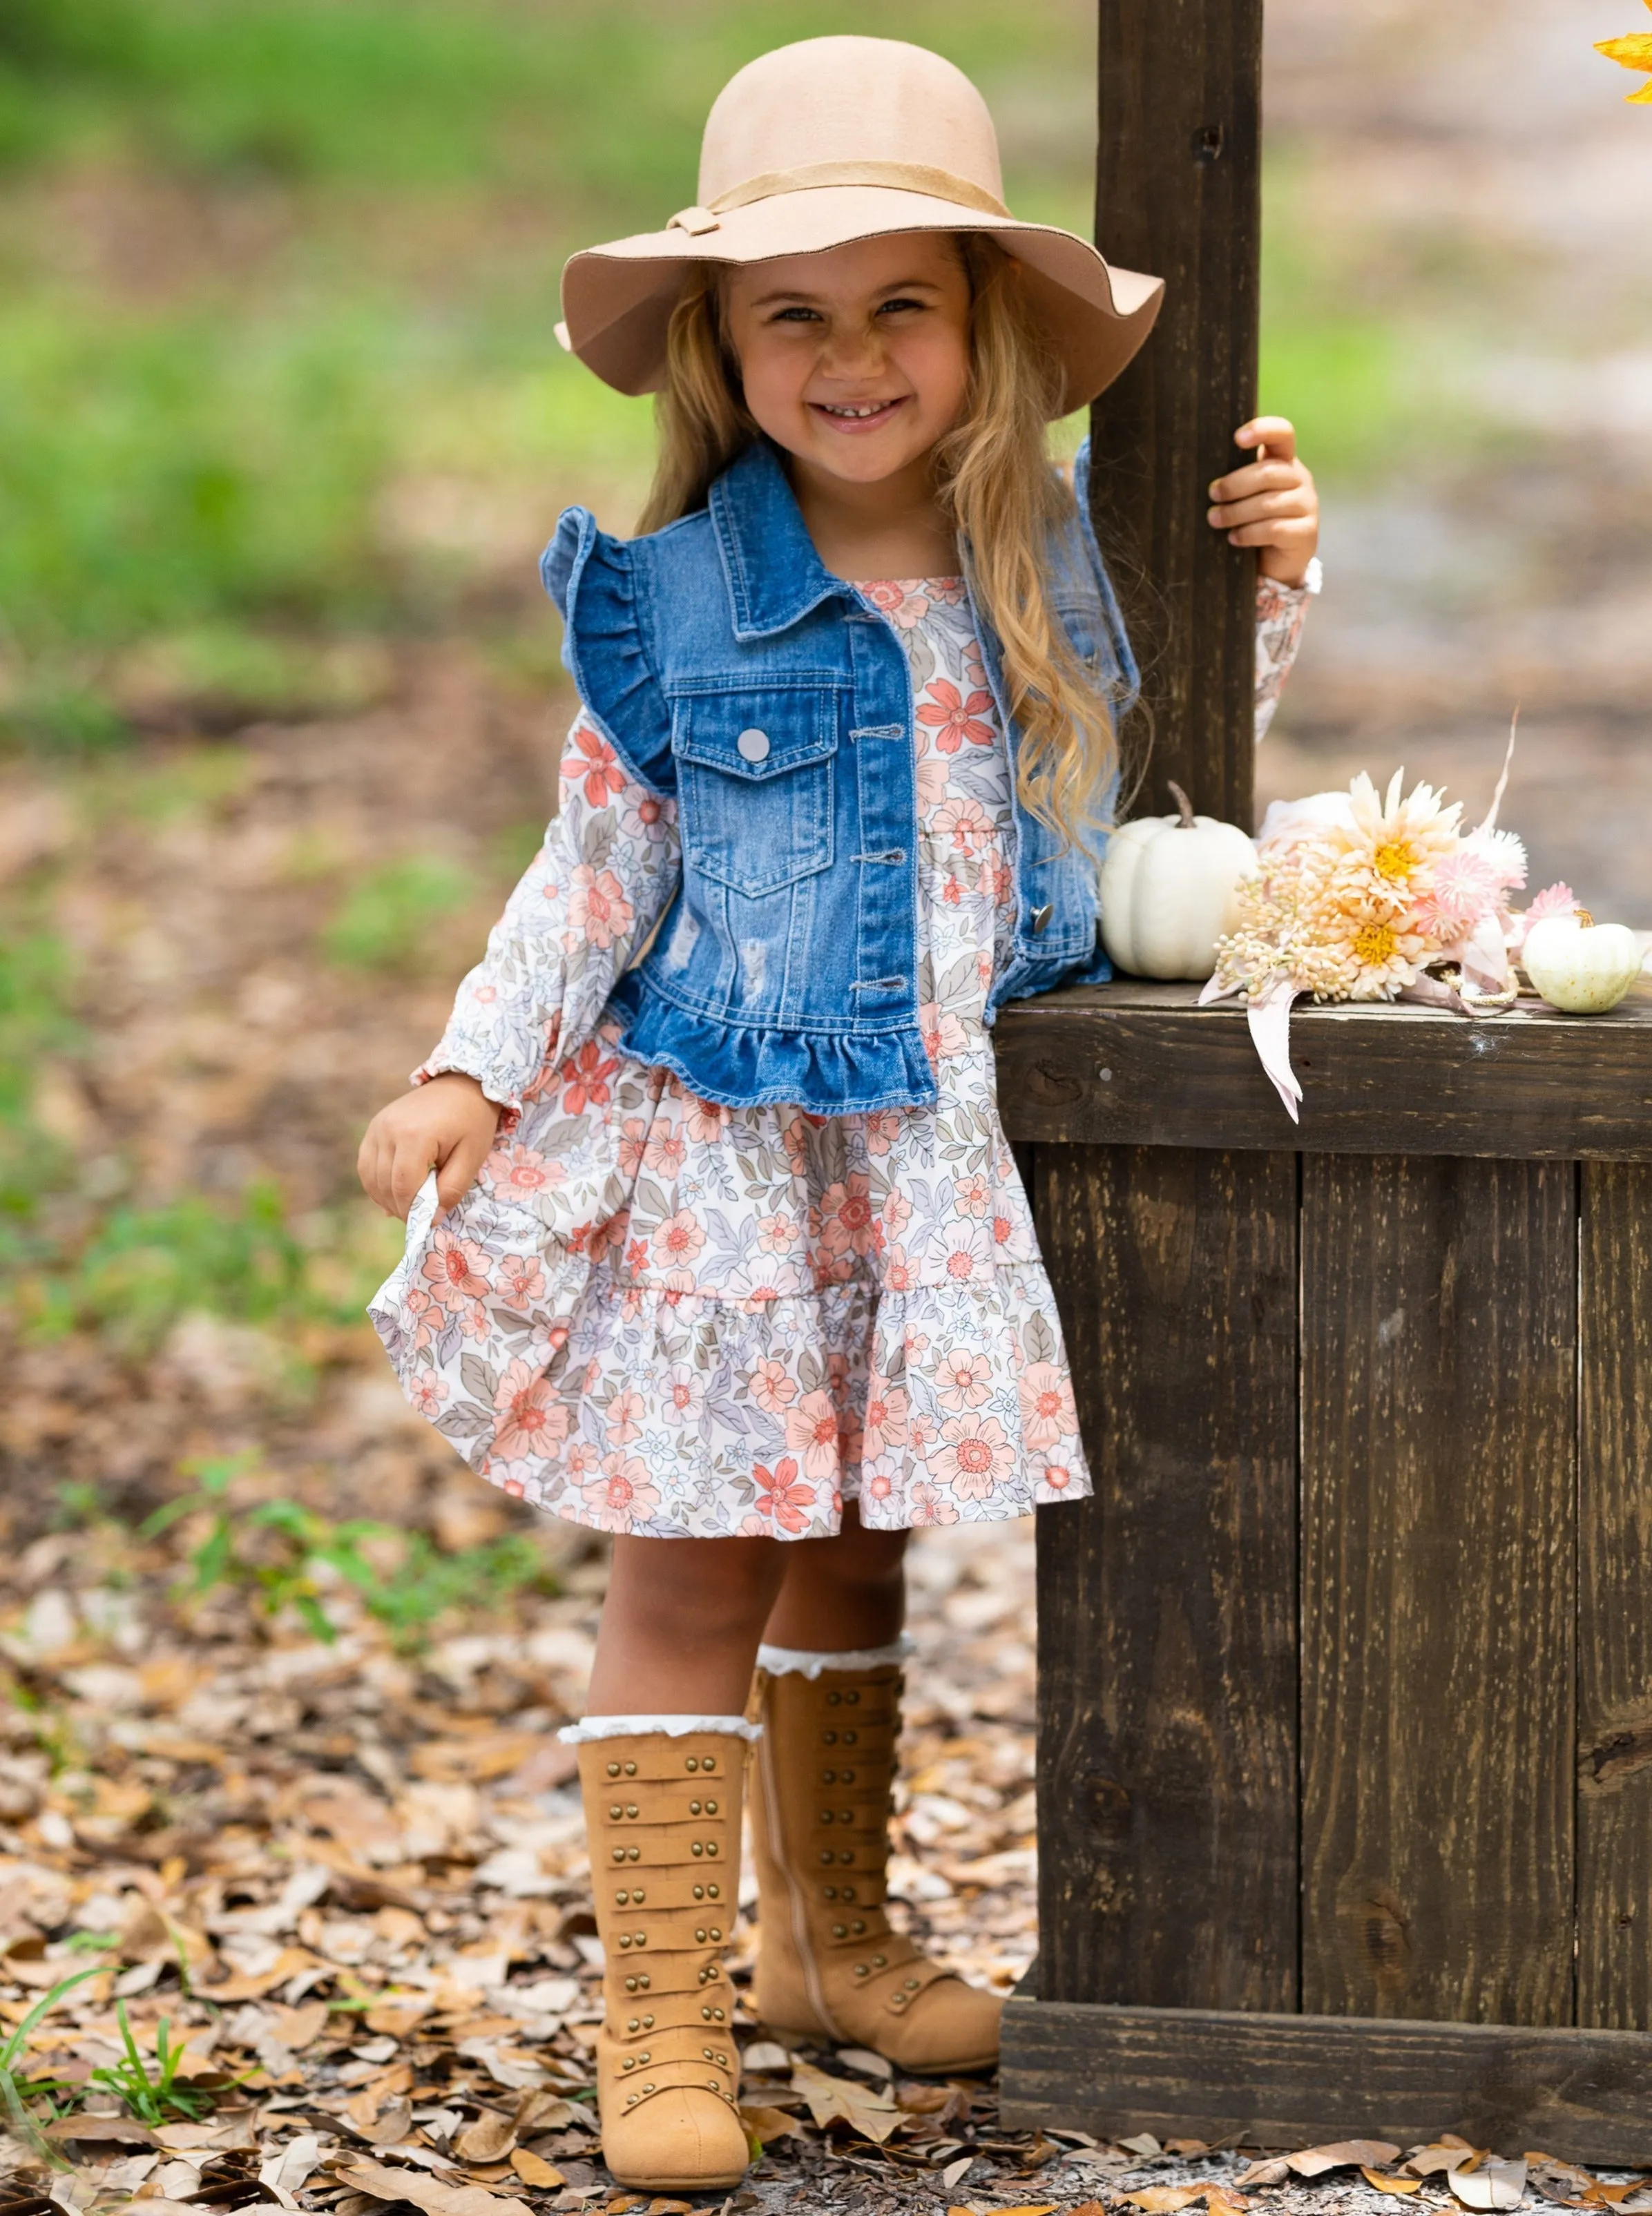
[
  {"x": 1438, "y": 1476},
  {"x": 1139, "y": 1065},
  {"x": 1292, "y": 2080},
  {"x": 1178, "y": 193},
  {"x": 1614, "y": 1697},
  {"x": 1166, "y": 1603}
]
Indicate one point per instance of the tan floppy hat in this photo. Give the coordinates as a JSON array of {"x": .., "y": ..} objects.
[{"x": 840, "y": 139}]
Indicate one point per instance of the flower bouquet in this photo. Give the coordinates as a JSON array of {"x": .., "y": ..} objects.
[{"x": 1359, "y": 897}]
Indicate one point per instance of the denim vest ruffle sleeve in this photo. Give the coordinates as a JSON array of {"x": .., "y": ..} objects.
[{"x": 733, "y": 673}]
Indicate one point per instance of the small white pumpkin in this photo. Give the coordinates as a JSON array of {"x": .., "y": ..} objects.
[
  {"x": 1580, "y": 965},
  {"x": 1168, "y": 888}
]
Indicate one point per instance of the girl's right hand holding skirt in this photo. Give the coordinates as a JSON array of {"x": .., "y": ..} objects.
[{"x": 447, "y": 1124}]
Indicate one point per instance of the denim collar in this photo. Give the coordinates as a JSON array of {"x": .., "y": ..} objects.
[{"x": 775, "y": 575}]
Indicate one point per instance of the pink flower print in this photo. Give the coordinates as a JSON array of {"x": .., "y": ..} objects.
[
  {"x": 427, "y": 1392},
  {"x": 667, "y": 1150},
  {"x": 965, "y": 824},
  {"x": 581, "y": 1461},
  {"x": 637, "y": 1255},
  {"x": 795, "y": 1138},
  {"x": 964, "y": 1379},
  {"x": 941, "y": 1032},
  {"x": 418, "y": 1304},
  {"x": 598, "y": 911},
  {"x": 1057, "y": 1476},
  {"x": 457, "y": 1269},
  {"x": 885, "y": 1423},
  {"x": 517, "y": 1173},
  {"x": 782, "y": 1495},
  {"x": 622, "y": 1497},
  {"x": 632, "y": 1150},
  {"x": 966, "y": 1254},
  {"x": 1002, "y": 1230},
  {"x": 1048, "y": 1414},
  {"x": 589, "y": 759},
  {"x": 842, "y": 1221},
  {"x": 777, "y": 1235},
  {"x": 880, "y": 1130},
  {"x": 952, "y": 718},
  {"x": 925, "y": 1505},
  {"x": 945, "y": 591},
  {"x": 531, "y": 1420},
  {"x": 646, "y": 815},
  {"x": 876, "y": 1481},
  {"x": 770, "y": 1387},
  {"x": 920, "y": 1436},
  {"x": 898, "y": 599},
  {"x": 623, "y": 1418},
  {"x": 935, "y": 777},
  {"x": 953, "y": 892},
  {"x": 677, "y": 1241},
  {"x": 975, "y": 668},
  {"x": 707, "y": 1122},
  {"x": 765, "y": 1277},
  {"x": 811, "y": 1432},
  {"x": 685, "y": 1396},
  {"x": 973, "y": 1195},
  {"x": 473, "y": 1321},
  {"x": 897, "y": 1270},
  {"x": 896, "y": 1213},
  {"x": 586, "y": 1076},
  {"x": 976, "y": 1457}
]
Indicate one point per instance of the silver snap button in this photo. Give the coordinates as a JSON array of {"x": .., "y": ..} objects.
[
  {"x": 1040, "y": 919},
  {"x": 752, "y": 746}
]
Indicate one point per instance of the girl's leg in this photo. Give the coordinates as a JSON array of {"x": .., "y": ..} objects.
[
  {"x": 680, "y": 1625},
  {"x": 842, "y": 1594}
]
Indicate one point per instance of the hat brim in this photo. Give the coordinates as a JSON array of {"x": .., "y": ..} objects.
[{"x": 617, "y": 298}]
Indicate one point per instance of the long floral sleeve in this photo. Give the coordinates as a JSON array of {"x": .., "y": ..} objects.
[
  {"x": 588, "y": 900},
  {"x": 1279, "y": 612}
]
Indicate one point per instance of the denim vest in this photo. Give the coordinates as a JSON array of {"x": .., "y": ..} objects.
[{"x": 732, "y": 672}]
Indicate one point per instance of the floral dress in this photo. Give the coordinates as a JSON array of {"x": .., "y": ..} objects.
[{"x": 653, "y": 1315}]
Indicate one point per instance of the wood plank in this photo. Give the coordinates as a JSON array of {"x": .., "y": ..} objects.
[
  {"x": 1178, "y": 193},
  {"x": 1278, "y": 2080},
  {"x": 1139, "y": 1065},
  {"x": 1439, "y": 1587},
  {"x": 1166, "y": 1603},
  {"x": 1614, "y": 1783}
]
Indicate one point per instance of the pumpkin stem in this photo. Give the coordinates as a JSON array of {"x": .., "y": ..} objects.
[
  {"x": 1185, "y": 806},
  {"x": 1585, "y": 919}
]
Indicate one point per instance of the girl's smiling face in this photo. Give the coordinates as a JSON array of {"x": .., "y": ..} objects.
[{"x": 856, "y": 361}]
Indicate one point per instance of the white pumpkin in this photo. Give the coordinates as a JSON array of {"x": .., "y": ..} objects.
[
  {"x": 1168, "y": 888},
  {"x": 1580, "y": 965}
]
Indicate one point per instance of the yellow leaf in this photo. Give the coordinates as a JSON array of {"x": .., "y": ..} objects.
[
  {"x": 765, "y": 2124},
  {"x": 1342, "y": 2154},
  {"x": 1165, "y": 2199},
  {"x": 1401, "y": 2185},
  {"x": 832, "y": 2100},
  {"x": 534, "y": 2168}
]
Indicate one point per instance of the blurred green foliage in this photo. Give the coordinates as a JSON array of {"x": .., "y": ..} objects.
[{"x": 388, "y": 919}]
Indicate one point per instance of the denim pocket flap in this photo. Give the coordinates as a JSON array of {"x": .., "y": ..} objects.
[{"x": 755, "y": 733}]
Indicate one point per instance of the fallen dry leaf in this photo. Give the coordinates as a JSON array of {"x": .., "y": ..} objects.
[
  {"x": 1341, "y": 2154},
  {"x": 489, "y": 2138},
  {"x": 534, "y": 2168},
  {"x": 1144, "y": 2143},
  {"x": 1021, "y": 2208},
  {"x": 1386, "y": 2183},
  {"x": 1447, "y": 2152},
  {"x": 841, "y": 2100},
  {"x": 765, "y": 2124},
  {"x": 120, "y": 2131},
  {"x": 384, "y": 2184},
  {"x": 1164, "y": 2199},
  {"x": 1491, "y": 2184},
  {"x": 1273, "y": 2169}
]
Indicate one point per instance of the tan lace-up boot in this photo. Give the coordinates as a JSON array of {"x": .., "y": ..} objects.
[
  {"x": 662, "y": 1817},
  {"x": 828, "y": 1966}
]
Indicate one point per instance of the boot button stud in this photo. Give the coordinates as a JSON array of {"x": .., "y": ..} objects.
[{"x": 752, "y": 746}]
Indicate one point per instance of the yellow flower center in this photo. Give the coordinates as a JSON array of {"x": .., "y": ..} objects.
[
  {"x": 1396, "y": 861},
  {"x": 1373, "y": 945}
]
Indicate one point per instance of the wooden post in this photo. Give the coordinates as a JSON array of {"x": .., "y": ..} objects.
[{"x": 1179, "y": 193}]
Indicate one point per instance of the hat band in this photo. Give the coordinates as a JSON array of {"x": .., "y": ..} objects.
[{"x": 811, "y": 176}]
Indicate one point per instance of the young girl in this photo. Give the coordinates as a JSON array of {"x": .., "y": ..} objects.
[{"x": 725, "y": 1252}]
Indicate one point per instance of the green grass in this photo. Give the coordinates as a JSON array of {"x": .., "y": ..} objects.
[{"x": 388, "y": 921}]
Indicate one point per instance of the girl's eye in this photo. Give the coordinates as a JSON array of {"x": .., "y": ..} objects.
[
  {"x": 797, "y": 315},
  {"x": 895, "y": 307}
]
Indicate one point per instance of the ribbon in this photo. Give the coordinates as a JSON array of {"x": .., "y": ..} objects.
[{"x": 813, "y": 176}]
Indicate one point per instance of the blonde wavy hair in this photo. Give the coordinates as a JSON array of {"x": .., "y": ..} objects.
[{"x": 995, "y": 483}]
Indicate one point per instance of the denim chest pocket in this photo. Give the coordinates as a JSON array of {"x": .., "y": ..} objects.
[{"x": 755, "y": 781}]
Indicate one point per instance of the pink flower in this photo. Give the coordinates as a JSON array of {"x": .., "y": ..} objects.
[
  {"x": 632, "y": 1149},
  {"x": 598, "y": 911},
  {"x": 457, "y": 1270},
  {"x": 770, "y": 1387},
  {"x": 581, "y": 1461},
  {"x": 885, "y": 1425},
  {"x": 707, "y": 1121},
  {"x": 427, "y": 1392},
  {"x": 532, "y": 1418},
  {"x": 666, "y": 1153},
  {"x": 522, "y": 1280},
  {"x": 781, "y": 1494},
  {"x": 967, "y": 1255},
  {"x": 965, "y": 1379},
  {"x": 972, "y": 1195},
  {"x": 473, "y": 1321},
  {"x": 967, "y": 823},
  {"x": 1057, "y": 1476},
  {"x": 518, "y": 1172},
  {"x": 898, "y": 599},
  {"x": 623, "y": 1418},
  {"x": 685, "y": 1396},
  {"x": 776, "y": 1234},
  {"x": 812, "y": 1431},
  {"x": 897, "y": 1270},
  {"x": 943, "y": 1034},
  {"x": 881, "y": 1128},
  {"x": 588, "y": 757},
  {"x": 843, "y": 1219},
  {"x": 678, "y": 1240},
  {"x": 952, "y": 718},
  {"x": 586, "y": 1076},
  {"x": 1047, "y": 1412},
  {"x": 622, "y": 1497},
  {"x": 897, "y": 1212},
  {"x": 646, "y": 815},
  {"x": 976, "y": 1457},
  {"x": 927, "y": 1504}
]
